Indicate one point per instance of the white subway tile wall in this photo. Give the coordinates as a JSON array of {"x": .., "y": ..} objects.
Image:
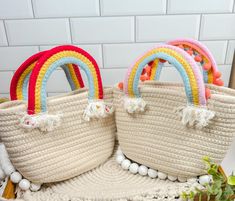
[
  {"x": 114, "y": 32},
  {"x": 103, "y": 29},
  {"x": 200, "y": 6}
]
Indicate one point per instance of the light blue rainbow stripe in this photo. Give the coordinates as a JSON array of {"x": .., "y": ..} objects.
[
  {"x": 174, "y": 62},
  {"x": 68, "y": 76},
  {"x": 61, "y": 62}
]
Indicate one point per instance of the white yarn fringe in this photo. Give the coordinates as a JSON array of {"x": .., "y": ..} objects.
[
  {"x": 43, "y": 121},
  {"x": 97, "y": 109},
  {"x": 5, "y": 162},
  {"x": 133, "y": 105},
  {"x": 192, "y": 116}
]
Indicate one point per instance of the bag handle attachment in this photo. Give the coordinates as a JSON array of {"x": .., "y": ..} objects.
[
  {"x": 195, "y": 113},
  {"x": 38, "y": 116},
  {"x": 19, "y": 82}
]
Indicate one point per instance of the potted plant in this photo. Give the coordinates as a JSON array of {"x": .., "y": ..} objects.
[{"x": 220, "y": 188}]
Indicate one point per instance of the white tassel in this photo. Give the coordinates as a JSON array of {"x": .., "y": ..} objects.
[
  {"x": 97, "y": 109},
  {"x": 195, "y": 116},
  {"x": 44, "y": 122},
  {"x": 133, "y": 105},
  {"x": 5, "y": 162}
]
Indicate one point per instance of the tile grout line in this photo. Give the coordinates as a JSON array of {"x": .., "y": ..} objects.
[
  {"x": 233, "y": 9},
  {"x": 118, "y": 16},
  {"x": 108, "y": 43},
  {"x": 200, "y": 28},
  {"x": 100, "y": 11},
  {"x": 135, "y": 29},
  {"x": 70, "y": 30},
  {"x": 167, "y": 6},
  {"x": 32, "y": 6},
  {"x": 5, "y": 29},
  {"x": 102, "y": 55},
  {"x": 226, "y": 53}
]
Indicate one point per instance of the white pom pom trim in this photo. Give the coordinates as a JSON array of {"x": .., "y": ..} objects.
[
  {"x": 44, "y": 122},
  {"x": 133, "y": 105},
  {"x": 97, "y": 109},
  {"x": 8, "y": 169},
  {"x": 192, "y": 116},
  {"x": 142, "y": 170}
]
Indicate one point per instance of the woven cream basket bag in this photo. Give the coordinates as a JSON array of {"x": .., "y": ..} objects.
[
  {"x": 169, "y": 127},
  {"x": 57, "y": 138}
]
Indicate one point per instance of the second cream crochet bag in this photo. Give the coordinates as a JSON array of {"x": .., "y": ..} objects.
[
  {"x": 56, "y": 138},
  {"x": 169, "y": 127}
]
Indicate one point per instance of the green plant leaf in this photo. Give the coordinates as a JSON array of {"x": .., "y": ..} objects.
[
  {"x": 231, "y": 180},
  {"x": 219, "y": 194}
]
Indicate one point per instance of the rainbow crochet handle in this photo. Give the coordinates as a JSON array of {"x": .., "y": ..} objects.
[
  {"x": 201, "y": 54},
  {"x": 49, "y": 62},
  {"x": 19, "y": 82},
  {"x": 186, "y": 66},
  {"x": 195, "y": 114}
]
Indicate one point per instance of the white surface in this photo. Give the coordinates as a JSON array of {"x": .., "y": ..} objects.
[
  {"x": 103, "y": 29},
  {"x": 3, "y": 38},
  {"x": 12, "y": 57},
  {"x": 68, "y": 8},
  {"x": 218, "y": 27},
  {"x": 133, "y": 7},
  {"x": 123, "y": 55},
  {"x": 200, "y": 6},
  {"x": 38, "y": 31},
  {"x": 161, "y": 28},
  {"x": 5, "y": 80},
  {"x": 12, "y": 9}
]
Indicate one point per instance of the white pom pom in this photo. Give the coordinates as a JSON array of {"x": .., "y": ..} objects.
[
  {"x": 134, "y": 168},
  {"x": 120, "y": 158},
  {"x": 126, "y": 164},
  {"x": 44, "y": 122},
  {"x": 182, "y": 179},
  {"x": 162, "y": 176},
  {"x": 97, "y": 109},
  {"x": 195, "y": 116},
  {"x": 205, "y": 179},
  {"x": 24, "y": 184},
  {"x": 172, "y": 178},
  {"x": 35, "y": 187},
  {"x": 133, "y": 105},
  {"x": 152, "y": 173},
  {"x": 143, "y": 170},
  {"x": 16, "y": 177}
]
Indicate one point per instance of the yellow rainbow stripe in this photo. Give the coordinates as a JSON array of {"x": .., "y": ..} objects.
[
  {"x": 184, "y": 63},
  {"x": 154, "y": 69},
  {"x": 49, "y": 62},
  {"x": 20, "y": 82},
  {"x": 73, "y": 76}
]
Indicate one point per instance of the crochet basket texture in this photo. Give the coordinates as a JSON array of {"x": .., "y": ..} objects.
[
  {"x": 169, "y": 127},
  {"x": 57, "y": 138}
]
